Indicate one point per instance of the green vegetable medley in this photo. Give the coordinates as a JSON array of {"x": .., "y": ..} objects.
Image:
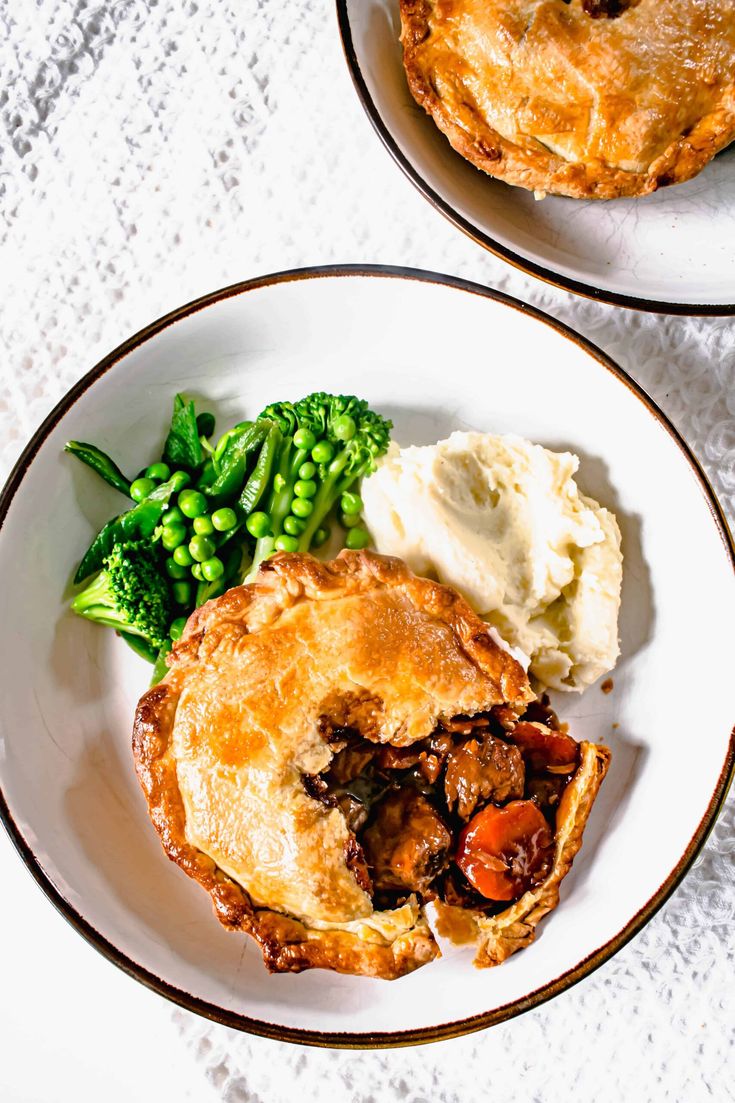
[{"x": 208, "y": 513}]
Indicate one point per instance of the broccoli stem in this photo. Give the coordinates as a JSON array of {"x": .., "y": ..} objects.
[{"x": 98, "y": 602}]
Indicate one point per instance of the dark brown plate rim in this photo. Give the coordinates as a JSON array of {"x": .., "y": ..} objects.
[
  {"x": 377, "y": 1039},
  {"x": 548, "y": 275}
]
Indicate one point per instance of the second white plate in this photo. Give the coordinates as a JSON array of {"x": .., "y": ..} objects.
[{"x": 669, "y": 252}]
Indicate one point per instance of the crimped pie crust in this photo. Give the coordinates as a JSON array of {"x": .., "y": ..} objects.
[
  {"x": 424, "y": 656},
  {"x": 543, "y": 95}
]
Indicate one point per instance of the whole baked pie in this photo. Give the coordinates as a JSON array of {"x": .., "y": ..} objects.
[
  {"x": 586, "y": 98},
  {"x": 338, "y": 746}
]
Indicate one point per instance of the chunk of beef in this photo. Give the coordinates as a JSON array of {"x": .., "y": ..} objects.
[
  {"x": 354, "y": 811},
  {"x": 427, "y": 756},
  {"x": 406, "y": 843},
  {"x": 483, "y": 768},
  {"x": 349, "y": 762}
]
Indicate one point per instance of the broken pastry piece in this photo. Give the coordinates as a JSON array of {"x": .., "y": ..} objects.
[{"x": 319, "y": 754}]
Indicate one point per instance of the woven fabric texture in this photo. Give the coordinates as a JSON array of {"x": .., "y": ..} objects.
[{"x": 151, "y": 151}]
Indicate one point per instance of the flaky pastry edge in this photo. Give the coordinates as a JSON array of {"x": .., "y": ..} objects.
[{"x": 538, "y": 168}]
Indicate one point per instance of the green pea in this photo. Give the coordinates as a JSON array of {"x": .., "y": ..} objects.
[
  {"x": 141, "y": 488},
  {"x": 192, "y": 503},
  {"x": 182, "y": 556},
  {"x": 203, "y": 525},
  {"x": 213, "y": 568},
  {"x": 182, "y": 593},
  {"x": 180, "y": 480},
  {"x": 350, "y": 520},
  {"x": 175, "y": 570},
  {"x": 173, "y": 517},
  {"x": 177, "y": 628},
  {"x": 224, "y": 519},
  {"x": 305, "y": 439},
  {"x": 258, "y": 524},
  {"x": 320, "y": 537},
  {"x": 344, "y": 428},
  {"x": 287, "y": 543},
  {"x": 172, "y": 536},
  {"x": 351, "y": 503},
  {"x": 307, "y": 470},
  {"x": 159, "y": 471},
  {"x": 196, "y": 571},
  {"x": 305, "y": 488},
  {"x": 278, "y": 482},
  {"x": 201, "y": 548},
  {"x": 357, "y": 538},
  {"x": 322, "y": 452},
  {"x": 302, "y": 507},
  {"x": 292, "y": 526}
]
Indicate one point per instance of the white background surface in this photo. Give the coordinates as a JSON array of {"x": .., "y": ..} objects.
[{"x": 151, "y": 152}]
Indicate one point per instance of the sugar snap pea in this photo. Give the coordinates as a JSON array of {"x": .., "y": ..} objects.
[
  {"x": 100, "y": 462},
  {"x": 233, "y": 461},
  {"x": 258, "y": 481},
  {"x": 140, "y": 521}
]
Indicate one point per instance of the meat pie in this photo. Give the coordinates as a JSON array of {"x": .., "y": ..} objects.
[{"x": 309, "y": 752}]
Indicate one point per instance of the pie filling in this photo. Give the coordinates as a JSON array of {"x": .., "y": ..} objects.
[{"x": 466, "y": 816}]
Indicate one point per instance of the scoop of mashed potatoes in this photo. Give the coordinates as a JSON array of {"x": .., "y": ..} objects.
[{"x": 502, "y": 520}]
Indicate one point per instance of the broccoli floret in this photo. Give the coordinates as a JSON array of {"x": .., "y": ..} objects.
[
  {"x": 129, "y": 594},
  {"x": 338, "y": 438}
]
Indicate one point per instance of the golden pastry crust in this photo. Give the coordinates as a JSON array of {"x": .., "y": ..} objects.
[
  {"x": 256, "y": 684},
  {"x": 540, "y": 94},
  {"x": 499, "y": 936}
]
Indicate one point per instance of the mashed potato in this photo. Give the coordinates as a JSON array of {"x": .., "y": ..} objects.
[{"x": 502, "y": 520}]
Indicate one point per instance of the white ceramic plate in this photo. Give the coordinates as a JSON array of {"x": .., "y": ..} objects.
[
  {"x": 670, "y": 252},
  {"x": 68, "y": 689}
]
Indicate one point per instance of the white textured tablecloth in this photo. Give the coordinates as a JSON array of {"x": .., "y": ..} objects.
[{"x": 151, "y": 151}]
